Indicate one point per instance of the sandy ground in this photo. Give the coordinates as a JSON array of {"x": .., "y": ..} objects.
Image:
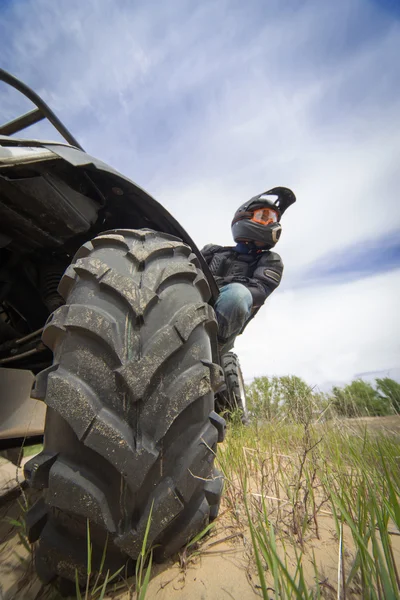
[
  {"x": 389, "y": 425},
  {"x": 218, "y": 568},
  {"x": 222, "y": 566}
]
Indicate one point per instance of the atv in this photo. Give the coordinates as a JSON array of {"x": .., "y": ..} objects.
[{"x": 106, "y": 317}]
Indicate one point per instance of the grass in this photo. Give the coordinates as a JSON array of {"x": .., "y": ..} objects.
[
  {"x": 19, "y": 524},
  {"x": 288, "y": 484},
  {"x": 32, "y": 450},
  {"x": 293, "y": 491},
  {"x": 98, "y": 582},
  {"x": 145, "y": 556}
]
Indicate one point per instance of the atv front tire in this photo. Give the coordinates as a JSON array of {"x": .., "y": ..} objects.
[{"x": 130, "y": 425}]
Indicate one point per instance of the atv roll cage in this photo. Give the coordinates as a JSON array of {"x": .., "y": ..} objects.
[{"x": 42, "y": 111}]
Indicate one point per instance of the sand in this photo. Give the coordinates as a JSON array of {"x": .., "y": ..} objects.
[{"x": 221, "y": 566}]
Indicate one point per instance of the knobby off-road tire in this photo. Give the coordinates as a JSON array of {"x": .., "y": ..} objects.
[
  {"x": 130, "y": 421},
  {"x": 235, "y": 388}
]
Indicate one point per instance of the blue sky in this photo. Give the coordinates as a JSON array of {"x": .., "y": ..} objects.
[{"x": 207, "y": 104}]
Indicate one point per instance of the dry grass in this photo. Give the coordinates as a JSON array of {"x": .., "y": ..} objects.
[
  {"x": 302, "y": 490},
  {"x": 309, "y": 511}
]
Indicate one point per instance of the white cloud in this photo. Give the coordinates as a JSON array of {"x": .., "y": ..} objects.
[{"x": 326, "y": 334}]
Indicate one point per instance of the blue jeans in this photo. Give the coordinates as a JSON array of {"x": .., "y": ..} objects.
[{"x": 233, "y": 309}]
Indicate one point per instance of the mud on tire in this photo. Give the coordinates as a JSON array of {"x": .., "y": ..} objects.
[{"x": 130, "y": 421}]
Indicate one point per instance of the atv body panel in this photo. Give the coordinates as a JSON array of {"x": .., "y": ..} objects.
[{"x": 53, "y": 196}]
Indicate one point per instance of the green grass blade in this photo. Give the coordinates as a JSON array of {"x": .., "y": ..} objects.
[
  {"x": 143, "y": 591},
  {"x": 103, "y": 560},
  {"x": 390, "y": 593},
  {"x": 77, "y": 588},
  {"x": 14, "y": 522},
  {"x": 104, "y": 586},
  {"x": 200, "y": 535},
  {"x": 114, "y": 575},
  {"x": 103, "y": 557},
  {"x": 146, "y": 533},
  {"x": 392, "y": 502},
  {"x": 89, "y": 548},
  {"x": 350, "y": 521},
  {"x": 260, "y": 569},
  {"x": 143, "y": 554},
  {"x": 24, "y": 542}
]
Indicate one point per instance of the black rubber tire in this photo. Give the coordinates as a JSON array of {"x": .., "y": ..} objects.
[
  {"x": 130, "y": 422},
  {"x": 235, "y": 390}
]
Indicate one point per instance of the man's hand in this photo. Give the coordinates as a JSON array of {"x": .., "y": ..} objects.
[
  {"x": 241, "y": 279},
  {"x": 232, "y": 279}
]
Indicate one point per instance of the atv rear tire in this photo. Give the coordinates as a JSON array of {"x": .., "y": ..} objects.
[
  {"x": 235, "y": 388},
  {"x": 130, "y": 422}
]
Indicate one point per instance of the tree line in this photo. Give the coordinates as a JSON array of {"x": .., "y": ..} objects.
[{"x": 290, "y": 397}]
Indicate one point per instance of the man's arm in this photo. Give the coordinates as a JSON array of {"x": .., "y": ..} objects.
[{"x": 266, "y": 277}]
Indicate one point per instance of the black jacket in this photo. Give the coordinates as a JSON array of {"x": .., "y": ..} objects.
[{"x": 260, "y": 271}]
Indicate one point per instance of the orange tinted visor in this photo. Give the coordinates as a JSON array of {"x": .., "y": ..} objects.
[{"x": 264, "y": 216}]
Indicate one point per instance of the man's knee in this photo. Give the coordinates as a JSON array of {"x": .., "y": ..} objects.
[
  {"x": 233, "y": 309},
  {"x": 243, "y": 297},
  {"x": 235, "y": 297}
]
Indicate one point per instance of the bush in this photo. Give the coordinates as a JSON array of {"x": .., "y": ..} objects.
[
  {"x": 389, "y": 392},
  {"x": 289, "y": 397},
  {"x": 360, "y": 399},
  {"x": 262, "y": 398}
]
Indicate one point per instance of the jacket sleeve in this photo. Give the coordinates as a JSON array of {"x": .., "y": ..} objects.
[
  {"x": 209, "y": 251},
  {"x": 266, "y": 277}
]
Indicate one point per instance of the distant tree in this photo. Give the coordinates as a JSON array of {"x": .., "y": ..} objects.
[
  {"x": 296, "y": 398},
  {"x": 343, "y": 404},
  {"x": 389, "y": 391},
  {"x": 262, "y": 398},
  {"x": 290, "y": 397},
  {"x": 359, "y": 398},
  {"x": 287, "y": 397}
]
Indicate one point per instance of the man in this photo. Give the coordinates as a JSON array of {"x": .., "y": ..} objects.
[{"x": 249, "y": 272}]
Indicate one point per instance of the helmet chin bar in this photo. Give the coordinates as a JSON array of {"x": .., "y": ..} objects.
[{"x": 247, "y": 231}]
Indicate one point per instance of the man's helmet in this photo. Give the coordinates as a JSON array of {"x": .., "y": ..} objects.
[{"x": 258, "y": 220}]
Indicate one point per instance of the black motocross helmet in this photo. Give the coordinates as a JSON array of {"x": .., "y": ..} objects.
[{"x": 258, "y": 220}]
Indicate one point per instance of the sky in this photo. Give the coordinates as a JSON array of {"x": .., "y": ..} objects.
[{"x": 208, "y": 104}]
